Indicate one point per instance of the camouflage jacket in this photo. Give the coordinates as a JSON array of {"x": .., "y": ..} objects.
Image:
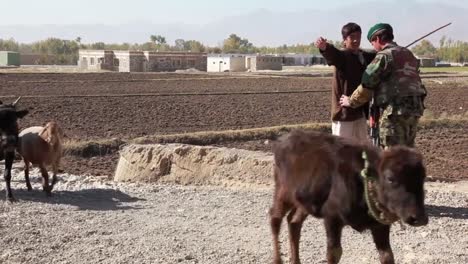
[{"x": 393, "y": 79}]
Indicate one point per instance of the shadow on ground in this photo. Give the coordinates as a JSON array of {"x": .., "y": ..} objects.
[
  {"x": 447, "y": 211},
  {"x": 87, "y": 199}
]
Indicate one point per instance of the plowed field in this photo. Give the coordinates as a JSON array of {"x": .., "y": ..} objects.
[{"x": 124, "y": 105}]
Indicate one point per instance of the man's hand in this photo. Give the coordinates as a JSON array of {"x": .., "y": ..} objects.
[
  {"x": 321, "y": 43},
  {"x": 344, "y": 101}
]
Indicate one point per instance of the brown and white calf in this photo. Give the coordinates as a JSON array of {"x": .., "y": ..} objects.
[
  {"x": 331, "y": 178},
  {"x": 42, "y": 146}
]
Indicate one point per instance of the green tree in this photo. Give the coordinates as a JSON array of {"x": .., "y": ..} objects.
[
  {"x": 158, "y": 39},
  {"x": 216, "y": 50},
  {"x": 194, "y": 46},
  {"x": 284, "y": 49},
  {"x": 98, "y": 46},
  {"x": 149, "y": 46},
  {"x": 236, "y": 44},
  {"x": 64, "y": 51},
  {"x": 425, "y": 48},
  {"x": 179, "y": 44},
  {"x": 9, "y": 44},
  {"x": 25, "y": 48}
]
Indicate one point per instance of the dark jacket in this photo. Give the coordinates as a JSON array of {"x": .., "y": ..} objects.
[{"x": 347, "y": 76}]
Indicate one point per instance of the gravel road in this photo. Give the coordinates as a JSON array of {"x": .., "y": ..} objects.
[{"x": 93, "y": 220}]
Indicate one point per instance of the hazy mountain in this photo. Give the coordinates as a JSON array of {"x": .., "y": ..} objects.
[{"x": 264, "y": 27}]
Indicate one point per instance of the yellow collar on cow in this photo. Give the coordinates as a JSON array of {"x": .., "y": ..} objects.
[{"x": 376, "y": 209}]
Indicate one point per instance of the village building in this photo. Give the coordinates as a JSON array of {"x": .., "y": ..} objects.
[
  {"x": 303, "y": 59},
  {"x": 9, "y": 58},
  {"x": 140, "y": 61},
  {"x": 426, "y": 62},
  {"x": 263, "y": 62},
  {"x": 226, "y": 63}
]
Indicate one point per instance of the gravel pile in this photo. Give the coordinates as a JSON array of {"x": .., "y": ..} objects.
[{"x": 94, "y": 220}]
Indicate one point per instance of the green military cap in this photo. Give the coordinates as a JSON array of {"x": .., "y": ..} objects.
[{"x": 378, "y": 28}]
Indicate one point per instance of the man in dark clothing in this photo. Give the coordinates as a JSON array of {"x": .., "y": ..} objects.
[{"x": 350, "y": 64}]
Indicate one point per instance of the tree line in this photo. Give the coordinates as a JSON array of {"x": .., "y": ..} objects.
[
  {"x": 66, "y": 51},
  {"x": 448, "y": 50}
]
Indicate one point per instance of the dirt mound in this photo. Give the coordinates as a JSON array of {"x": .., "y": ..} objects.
[{"x": 188, "y": 164}]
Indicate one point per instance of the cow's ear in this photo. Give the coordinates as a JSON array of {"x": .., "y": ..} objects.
[{"x": 21, "y": 113}]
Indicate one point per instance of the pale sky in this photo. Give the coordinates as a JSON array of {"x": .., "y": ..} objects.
[{"x": 58, "y": 12}]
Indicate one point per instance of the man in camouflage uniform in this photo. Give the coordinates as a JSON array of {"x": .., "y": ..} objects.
[{"x": 393, "y": 80}]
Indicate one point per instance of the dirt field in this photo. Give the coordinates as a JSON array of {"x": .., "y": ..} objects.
[
  {"x": 90, "y": 219},
  {"x": 124, "y": 105}
]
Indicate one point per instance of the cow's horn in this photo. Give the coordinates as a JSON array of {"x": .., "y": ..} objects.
[{"x": 17, "y": 100}]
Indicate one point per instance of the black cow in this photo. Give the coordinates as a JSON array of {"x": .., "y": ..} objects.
[
  {"x": 9, "y": 139},
  {"x": 344, "y": 183}
]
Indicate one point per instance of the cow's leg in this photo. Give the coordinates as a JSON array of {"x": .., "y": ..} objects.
[
  {"x": 333, "y": 228},
  {"x": 295, "y": 219},
  {"x": 45, "y": 180},
  {"x": 381, "y": 236},
  {"x": 26, "y": 175},
  {"x": 54, "y": 176},
  {"x": 277, "y": 212},
  {"x": 9, "y": 157}
]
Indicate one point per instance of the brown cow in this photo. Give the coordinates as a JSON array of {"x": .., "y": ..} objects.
[
  {"x": 344, "y": 183},
  {"x": 41, "y": 146}
]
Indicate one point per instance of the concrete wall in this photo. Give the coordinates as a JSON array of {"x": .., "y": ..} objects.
[
  {"x": 302, "y": 59},
  {"x": 95, "y": 59},
  {"x": 218, "y": 64},
  {"x": 129, "y": 61},
  {"x": 318, "y": 59},
  {"x": 238, "y": 64},
  {"x": 258, "y": 62},
  {"x": 172, "y": 61},
  {"x": 297, "y": 59},
  {"x": 427, "y": 62},
  {"x": 226, "y": 63}
]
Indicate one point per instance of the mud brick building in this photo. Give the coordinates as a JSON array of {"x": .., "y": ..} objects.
[
  {"x": 263, "y": 62},
  {"x": 302, "y": 59},
  {"x": 140, "y": 61}
]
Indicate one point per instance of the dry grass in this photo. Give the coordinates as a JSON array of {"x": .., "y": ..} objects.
[
  {"x": 107, "y": 146},
  {"x": 110, "y": 146},
  {"x": 44, "y": 69},
  {"x": 459, "y": 69},
  {"x": 429, "y": 120},
  {"x": 92, "y": 148},
  {"x": 443, "y": 123},
  {"x": 212, "y": 137}
]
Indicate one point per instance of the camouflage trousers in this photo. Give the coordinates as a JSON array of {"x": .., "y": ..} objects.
[{"x": 398, "y": 130}]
